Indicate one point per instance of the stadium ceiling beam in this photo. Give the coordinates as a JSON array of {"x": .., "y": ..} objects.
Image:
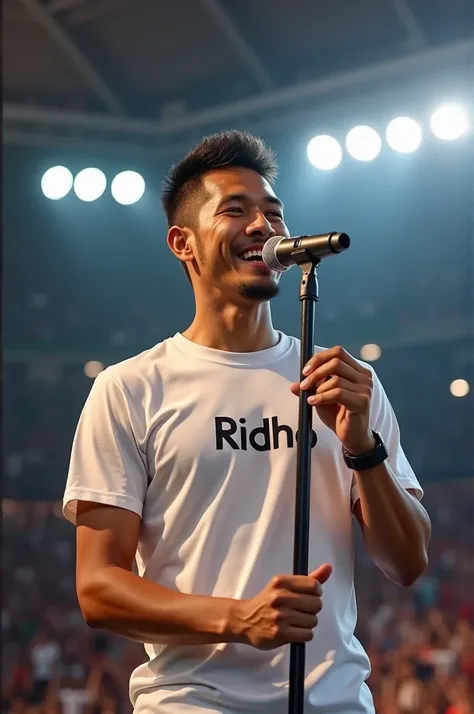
[
  {"x": 69, "y": 47},
  {"x": 415, "y": 34},
  {"x": 228, "y": 27},
  {"x": 426, "y": 60}
]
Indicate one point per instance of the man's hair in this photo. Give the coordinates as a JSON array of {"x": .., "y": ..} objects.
[{"x": 182, "y": 188}]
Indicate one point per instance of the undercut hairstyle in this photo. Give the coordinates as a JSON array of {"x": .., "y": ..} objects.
[{"x": 182, "y": 192}]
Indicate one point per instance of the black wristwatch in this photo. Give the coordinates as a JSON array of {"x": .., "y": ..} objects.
[{"x": 367, "y": 461}]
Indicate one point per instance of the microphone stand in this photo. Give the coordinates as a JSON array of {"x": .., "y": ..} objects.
[{"x": 308, "y": 298}]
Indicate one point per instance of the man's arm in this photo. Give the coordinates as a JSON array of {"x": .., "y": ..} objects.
[
  {"x": 349, "y": 398},
  {"x": 395, "y": 525},
  {"x": 113, "y": 598}
]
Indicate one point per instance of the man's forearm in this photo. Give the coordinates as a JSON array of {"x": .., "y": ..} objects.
[
  {"x": 396, "y": 526},
  {"x": 124, "y": 603}
]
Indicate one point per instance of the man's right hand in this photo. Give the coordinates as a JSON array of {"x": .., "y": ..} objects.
[{"x": 284, "y": 611}]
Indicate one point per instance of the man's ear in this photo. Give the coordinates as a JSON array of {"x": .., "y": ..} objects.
[{"x": 180, "y": 243}]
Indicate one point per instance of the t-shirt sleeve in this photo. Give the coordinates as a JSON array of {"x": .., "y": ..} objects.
[
  {"x": 106, "y": 465},
  {"x": 384, "y": 421}
]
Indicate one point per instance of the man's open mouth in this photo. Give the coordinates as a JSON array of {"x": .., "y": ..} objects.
[{"x": 251, "y": 256}]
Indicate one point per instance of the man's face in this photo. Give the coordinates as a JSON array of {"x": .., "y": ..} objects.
[{"x": 240, "y": 213}]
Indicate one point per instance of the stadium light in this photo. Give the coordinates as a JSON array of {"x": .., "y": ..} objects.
[
  {"x": 370, "y": 353},
  {"x": 128, "y": 187},
  {"x": 449, "y": 122},
  {"x": 363, "y": 143},
  {"x": 403, "y": 135},
  {"x": 459, "y": 388},
  {"x": 89, "y": 184},
  {"x": 56, "y": 182},
  {"x": 324, "y": 152},
  {"x": 93, "y": 368}
]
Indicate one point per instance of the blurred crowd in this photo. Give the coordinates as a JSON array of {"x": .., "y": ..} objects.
[
  {"x": 420, "y": 640},
  {"x": 43, "y": 409},
  {"x": 52, "y": 662}
]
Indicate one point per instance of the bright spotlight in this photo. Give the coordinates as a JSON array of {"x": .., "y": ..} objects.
[
  {"x": 93, "y": 368},
  {"x": 324, "y": 152},
  {"x": 404, "y": 135},
  {"x": 449, "y": 122},
  {"x": 56, "y": 182},
  {"x": 128, "y": 187},
  {"x": 89, "y": 184},
  {"x": 363, "y": 143},
  {"x": 370, "y": 353},
  {"x": 459, "y": 388}
]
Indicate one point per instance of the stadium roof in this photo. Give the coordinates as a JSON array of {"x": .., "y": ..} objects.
[{"x": 151, "y": 69}]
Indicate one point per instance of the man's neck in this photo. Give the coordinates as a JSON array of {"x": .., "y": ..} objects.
[{"x": 232, "y": 329}]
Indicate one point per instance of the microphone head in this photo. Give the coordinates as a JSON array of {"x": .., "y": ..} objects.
[
  {"x": 340, "y": 242},
  {"x": 269, "y": 255}
]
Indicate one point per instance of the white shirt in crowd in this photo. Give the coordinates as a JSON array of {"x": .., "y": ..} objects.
[
  {"x": 73, "y": 700},
  {"x": 44, "y": 656},
  {"x": 201, "y": 444}
]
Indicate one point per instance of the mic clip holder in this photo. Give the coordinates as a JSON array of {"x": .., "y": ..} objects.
[{"x": 309, "y": 287}]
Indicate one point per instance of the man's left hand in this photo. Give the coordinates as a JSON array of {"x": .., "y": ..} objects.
[{"x": 340, "y": 389}]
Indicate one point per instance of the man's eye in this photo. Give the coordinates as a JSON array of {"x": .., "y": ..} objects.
[
  {"x": 276, "y": 214},
  {"x": 233, "y": 209}
]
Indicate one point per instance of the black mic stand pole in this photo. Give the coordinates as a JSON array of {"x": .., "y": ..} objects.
[{"x": 308, "y": 297}]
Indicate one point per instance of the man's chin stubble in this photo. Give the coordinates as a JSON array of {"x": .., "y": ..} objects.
[{"x": 258, "y": 291}]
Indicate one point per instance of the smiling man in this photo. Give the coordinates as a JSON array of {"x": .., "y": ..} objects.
[{"x": 184, "y": 460}]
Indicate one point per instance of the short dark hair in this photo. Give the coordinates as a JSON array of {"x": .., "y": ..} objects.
[{"x": 229, "y": 148}]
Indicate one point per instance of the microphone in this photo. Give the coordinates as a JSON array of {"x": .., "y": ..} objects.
[{"x": 281, "y": 253}]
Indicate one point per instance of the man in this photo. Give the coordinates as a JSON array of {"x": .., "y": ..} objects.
[{"x": 184, "y": 458}]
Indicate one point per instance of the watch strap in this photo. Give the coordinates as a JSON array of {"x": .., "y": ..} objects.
[{"x": 367, "y": 461}]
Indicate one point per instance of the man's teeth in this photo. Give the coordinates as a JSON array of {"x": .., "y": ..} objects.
[{"x": 251, "y": 254}]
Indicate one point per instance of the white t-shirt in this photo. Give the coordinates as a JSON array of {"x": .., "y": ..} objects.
[
  {"x": 44, "y": 656},
  {"x": 73, "y": 700},
  {"x": 201, "y": 444}
]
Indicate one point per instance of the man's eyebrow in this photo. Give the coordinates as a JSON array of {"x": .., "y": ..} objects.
[
  {"x": 242, "y": 197},
  {"x": 275, "y": 201}
]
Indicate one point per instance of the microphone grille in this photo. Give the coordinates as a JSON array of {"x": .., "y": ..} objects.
[{"x": 269, "y": 255}]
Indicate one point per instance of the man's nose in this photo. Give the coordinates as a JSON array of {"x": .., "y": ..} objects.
[{"x": 260, "y": 226}]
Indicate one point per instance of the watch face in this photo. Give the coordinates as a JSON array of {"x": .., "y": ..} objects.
[
  {"x": 379, "y": 438},
  {"x": 379, "y": 441}
]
